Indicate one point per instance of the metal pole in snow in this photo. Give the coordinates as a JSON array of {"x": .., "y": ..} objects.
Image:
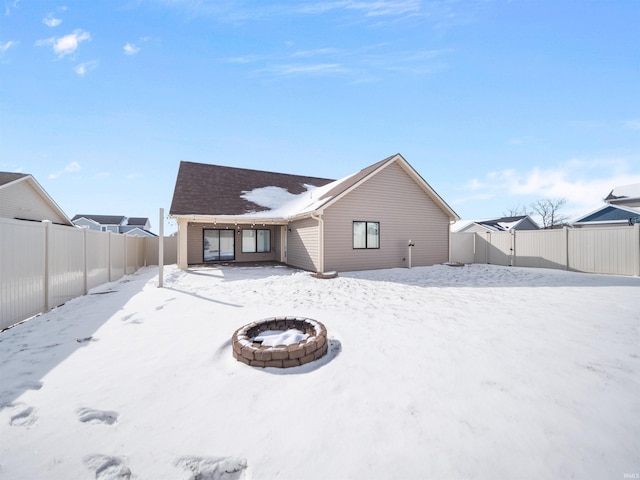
[{"x": 161, "y": 250}]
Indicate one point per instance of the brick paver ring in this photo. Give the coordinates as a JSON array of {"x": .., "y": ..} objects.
[{"x": 248, "y": 347}]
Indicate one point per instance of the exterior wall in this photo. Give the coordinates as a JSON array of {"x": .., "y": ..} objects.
[
  {"x": 195, "y": 244},
  {"x": 474, "y": 228},
  {"x": 44, "y": 265},
  {"x": 302, "y": 244},
  {"x": 405, "y": 212},
  {"x": 86, "y": 223},
  {"x": 20, "y": 200},
  {"x": 527, "y": 224}
]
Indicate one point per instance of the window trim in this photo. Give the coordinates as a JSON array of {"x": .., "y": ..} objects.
[
  {"x": 366, "y": 236},
  {"x": 256, "y": 230}
]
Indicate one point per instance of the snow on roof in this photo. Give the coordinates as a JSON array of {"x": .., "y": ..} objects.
[
  {"x": 283, "y": 204},
  {"x": 625, "y": 191}
]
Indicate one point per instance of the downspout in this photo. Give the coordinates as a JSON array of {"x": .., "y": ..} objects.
[{"x": 320, "y": 241}]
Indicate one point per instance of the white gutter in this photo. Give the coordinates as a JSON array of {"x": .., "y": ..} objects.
[
  {"x": 320, "y": 240},
  {"x": 227, "y": 220}
]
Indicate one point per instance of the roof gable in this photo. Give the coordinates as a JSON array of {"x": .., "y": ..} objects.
[
  {"x": 610, "y": 213},
  {"x": 16, "y": 182},
  {"x": 235, "y": 193}
]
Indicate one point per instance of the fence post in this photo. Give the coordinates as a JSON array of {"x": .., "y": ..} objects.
[
  {"x": 161, "y": 250},
  {"x": 86, "y": 261},
  {"x": 636, "y": 231},
  {"x": 47, "y": 264},
  {"x": 513, "y": 248},
  {"x": 109, "y": 233},
  {"x": 566, "y": 247}
]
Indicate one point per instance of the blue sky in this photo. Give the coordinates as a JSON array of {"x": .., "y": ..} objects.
[{"x": 495, "y": 103}]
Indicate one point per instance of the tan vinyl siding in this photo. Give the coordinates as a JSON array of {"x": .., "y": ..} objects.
[
  {"x": 404, "y": 211},
  {"x": 302, "y": 244},
  {"x": 195, "y": 243},
  {"x": 20, "y": 200}
]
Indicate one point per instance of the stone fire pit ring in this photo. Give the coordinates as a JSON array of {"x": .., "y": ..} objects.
[{"x": 251, "y": 352}]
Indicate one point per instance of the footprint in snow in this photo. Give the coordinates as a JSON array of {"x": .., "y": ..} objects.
[
  {"x": 107, "y": 467},
  {"x": 21, "y": 415},
  {"x": 214, "y": 468},
  {"x": 89, "y": 415}
]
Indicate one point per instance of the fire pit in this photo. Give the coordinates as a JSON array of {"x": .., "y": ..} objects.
[{"x": 280, "y": 342}]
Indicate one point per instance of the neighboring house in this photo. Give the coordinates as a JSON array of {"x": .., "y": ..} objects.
[
  {"x": 622, "y": 208},
  {"x": 502, "y": 224},
  {"x": 137, "y": 226},
  {"x": 363, "y": 221},
  {"x": 22, "y": 198}
]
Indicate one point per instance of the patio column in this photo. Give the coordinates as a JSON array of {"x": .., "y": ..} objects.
[{"x": 183, "y": 224}]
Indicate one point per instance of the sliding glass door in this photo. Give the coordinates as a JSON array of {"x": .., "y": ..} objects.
[{"x": 218, "y": 245}]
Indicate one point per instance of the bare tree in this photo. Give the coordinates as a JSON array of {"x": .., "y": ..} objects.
[
  {"x": 548, "y": 209},
  {"x": 517, "y": 211}
]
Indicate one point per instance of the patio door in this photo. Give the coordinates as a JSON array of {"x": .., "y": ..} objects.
[{"x": 218, "y": 244}]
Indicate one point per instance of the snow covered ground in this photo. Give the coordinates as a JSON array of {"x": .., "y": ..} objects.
[{"x": 438, "y": 372}]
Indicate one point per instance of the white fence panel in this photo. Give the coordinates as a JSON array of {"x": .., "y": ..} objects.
[
  {"x": 462, "y": 247},
  {"x": 131, "y": 252},
  {"x": 604, "y": 250},
  {"x": 97, "y": 258},
  {"x": 116, "y": 247},
  {"x": 614, "y": 250},
  {"x": 541, "y": 248},
  {"x": 22, "y": 269},
  {"x": 65, "y": 264},
  {"x": 170, "y": 251},
  {"x": 500, "y": 248},
  {"x": 44, "y": 265}
]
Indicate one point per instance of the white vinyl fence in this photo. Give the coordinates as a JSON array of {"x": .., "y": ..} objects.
[
  {"x": 43, "y": 265},
  {"x": 613, "y": 250}
]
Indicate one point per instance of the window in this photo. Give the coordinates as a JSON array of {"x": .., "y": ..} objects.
[
  {"x": 366, "y": 234},
  {"x": 256, "y": 241},
  {"x": 218, "y": 244}
]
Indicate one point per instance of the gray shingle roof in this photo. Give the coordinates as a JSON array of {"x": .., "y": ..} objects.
[
  {"x": 216, "y": 190},
  {"x": 102, "y": 219},
  {"x": 8, "y": 177}
]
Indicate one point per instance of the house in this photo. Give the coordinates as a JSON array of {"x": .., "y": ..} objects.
[
  {"x": 137, "y": 226},
  {"x": 22, "y": 198},
  {"x": 502, "y": 224},
  {"x": 622, "y": 207},
  {"x": 364, "y": 221}
]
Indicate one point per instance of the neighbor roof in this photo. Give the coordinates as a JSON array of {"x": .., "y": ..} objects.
[
  {"x": 624, "y": 192},
  {"x": 217, "y": 190},
  {"x": 8, "y": 177},
  {"x": 102, "y": 219},
  {"x": 137, "y": 221},
  {"x": 610, "y": 213},
  {"x": 502, "y": 224}
]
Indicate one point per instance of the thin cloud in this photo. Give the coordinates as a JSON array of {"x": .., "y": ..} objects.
[
  {"x": 66, "y": 45},
  {"x": 83, "y": 68},
  {"x": 51, "y": 21},
  {"x": 309, "y": 69},
  {"x": 359, "y": 64},
  {"x": 73, "y": 167},
  {"x": 4, "y": 46},
  {"x": 70, "y": 168},
  {"x": 234, "y": 12},
  {"x": 9, "y": 5},
  {"x": 584, "y": 183},
  {"x": 130, "y": 49}
]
